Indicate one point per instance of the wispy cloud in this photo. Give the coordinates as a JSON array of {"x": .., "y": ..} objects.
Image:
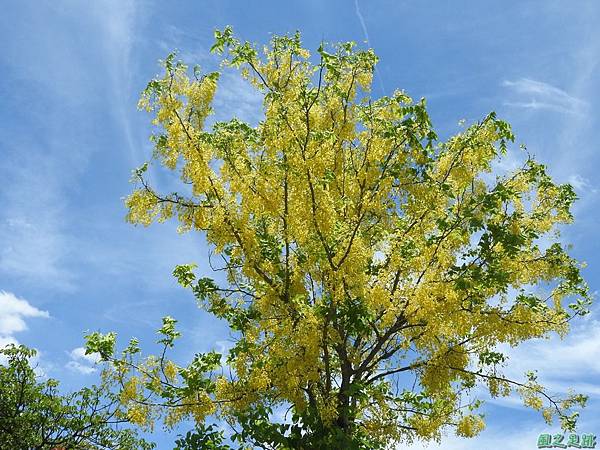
[
  {"x": 33, "y": 245},
  {"x": 561, "y": 365},
  {"x": 43, "y": 164},
  {"x": 189, "y": 47},
  {"x": 236, "y": 97},
  {"x": 581, "y": 184},
  {"x": 517, "y": 438},
  {"x": 117, "y": 21},
  {"x": 533, "y": 94},
  {"x": 559, "y": 362}
]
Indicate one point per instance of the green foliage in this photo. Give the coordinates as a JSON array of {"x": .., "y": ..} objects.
[
  {"x": 34, "y": 415},
  {"x": 168, "y": 331},
  {"x": 103, "y": 344},
  {"x": 204, "y": 437}
]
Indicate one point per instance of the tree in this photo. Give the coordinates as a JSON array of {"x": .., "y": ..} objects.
[
  {"x": 372, "y": 268},
  {"x": 34, "y": 415}
]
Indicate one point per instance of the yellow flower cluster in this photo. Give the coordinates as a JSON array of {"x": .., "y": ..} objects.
[{"x": 470, "y": 426}]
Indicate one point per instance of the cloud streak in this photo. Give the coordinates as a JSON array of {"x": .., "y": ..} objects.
[
  {"x": 559, "y": 362},
  {"x": 537, "y": 95},
  {"x": 363, "y": 25}
]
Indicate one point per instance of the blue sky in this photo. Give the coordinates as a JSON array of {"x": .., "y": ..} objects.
[{"x": 70, "y": 76}]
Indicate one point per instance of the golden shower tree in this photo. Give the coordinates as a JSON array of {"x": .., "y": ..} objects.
[{"x": 372, "y": 269}]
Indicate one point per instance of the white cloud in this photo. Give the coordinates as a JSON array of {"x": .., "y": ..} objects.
[
  {"x": 223, "y": 347},
  {"x": 76, "y": 366},
  {"x": 533, "y": 94},
  {"x": 13, "y": 310},
  {"x": 5, "y": 341},
  {"x": 79, "y": 354},
  {"x": 82, "y": 363}
]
